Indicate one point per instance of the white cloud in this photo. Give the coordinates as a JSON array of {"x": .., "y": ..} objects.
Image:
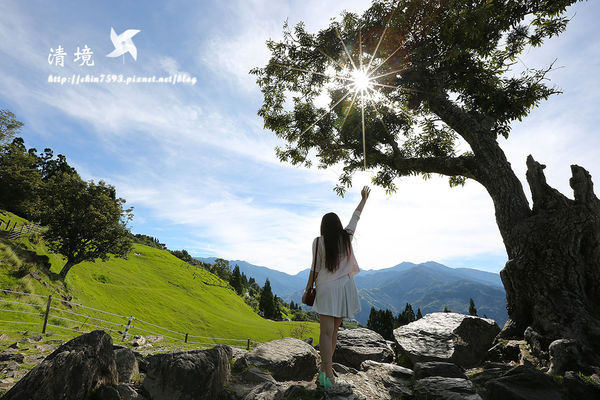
[{"x": 210, "y": 171}]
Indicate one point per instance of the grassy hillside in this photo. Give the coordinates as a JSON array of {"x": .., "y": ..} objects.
[{"x": 151, "y": 285}]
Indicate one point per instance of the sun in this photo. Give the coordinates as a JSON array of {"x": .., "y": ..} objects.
[{"x": 361, "y": 80}]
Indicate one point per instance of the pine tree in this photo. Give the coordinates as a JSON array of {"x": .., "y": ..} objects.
[
  {"x": 292, "y": 305},
  {"x": 387, "y": 330},
  {"x": 236, "y": 280},
  {"x": 372, "y": 322},
  {"x": 419, "y": 315},
  {"x": 266, "y": 303},
  {"x": 446, "y": 309},
  {"x": 276, "y": 308},
  {"x": 472, "y": 309},
  {"x": 409, "y": 313}
]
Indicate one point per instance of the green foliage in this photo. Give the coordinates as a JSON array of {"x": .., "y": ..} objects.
[
  {"x": 267, "y": 302},
  {"x": 419, "y": 315},
  {"x": 86, "y": 221},
  {"x": 154, "y": 242},
  {"x": 150, "y": 284},
  {"x": 472, "y": 309},
  {"x": 9, "y": 126},
  {"x": 236, "y": 280},
  {"x": 382, "y": 322},
  {"x": 446, "y": 309},
  {"x": 406, "y": 317},
  {"x": 20, "y": 179},
  {"x": 433, "y": 56}
]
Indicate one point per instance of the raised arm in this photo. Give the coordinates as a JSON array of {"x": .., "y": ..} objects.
[{"x": 364, "y": 193}]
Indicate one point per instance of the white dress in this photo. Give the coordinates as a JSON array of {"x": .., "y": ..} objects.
[{"x": 336, "y": 291}]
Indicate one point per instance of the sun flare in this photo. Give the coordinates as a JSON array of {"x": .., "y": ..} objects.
[{"x": 361, "y": 80}]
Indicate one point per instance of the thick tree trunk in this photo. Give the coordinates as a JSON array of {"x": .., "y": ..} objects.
[
  {"x": 65, "y": 270},
  {"x": 552, "y": 278}
]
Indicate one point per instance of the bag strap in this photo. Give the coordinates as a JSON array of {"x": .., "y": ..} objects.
[{"x": 315, "y": 264}]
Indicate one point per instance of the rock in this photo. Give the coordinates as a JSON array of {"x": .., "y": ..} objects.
[
  {"x": 71, "y": 372},
  {"x": 441, "y": 388},
  {"x": 380, "y": 381},
  {"x": 506, "y": 351},
  {"x": 491, "y": 370},
  {"x": 106, "y": 392},
  {"x": 255, "y": 375},
  {"x": 142, "y": 361},
  {"x": 238, "y": 353},
  {"x": 4, "y": 336},
  {"x": 309, "y": 340},
  {"x": 11, "y": 356},
  {"x": 538, "y": 343},
  {"x": 578, "y": 387},
  {"x": 265, "y": 391},
  {"x": 357, "y": 345},
  {"x": 342, "y": 369},
  {"x": 128, "y": 393},
  {"x": 523, "y": 383},
  {"x": 127, "y": 365},
  {"x": 438, "y": 368},
  {"x": 285, "y": 359},
  {"x": 460, "y": 339},
  {"x": 196, "y": 374},
  {"x": 138, "y": 341},
  {"x": 12, "y": 366},
  {"x": 33, "y": 339},
  {"x": 15, "y": 345},
  {"x": 565, "y": 355},
  {"x": 154, "y": 338}
]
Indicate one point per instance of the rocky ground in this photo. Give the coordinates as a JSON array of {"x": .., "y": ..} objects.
[{"x": 441, "y": 356}]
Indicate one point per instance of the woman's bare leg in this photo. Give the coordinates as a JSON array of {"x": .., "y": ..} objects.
[
  {"x": 325, "y": 341},
  {"x": 337, "y": 321}
]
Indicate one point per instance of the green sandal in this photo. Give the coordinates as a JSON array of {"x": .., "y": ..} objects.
[{"x": 324, "y": 381}]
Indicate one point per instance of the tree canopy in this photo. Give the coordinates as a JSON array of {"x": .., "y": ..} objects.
[
  {"x": 85, "y": 220},
  {"x": 439, "y": 70}
]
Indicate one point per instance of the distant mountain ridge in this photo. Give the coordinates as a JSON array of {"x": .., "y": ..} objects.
[{"x": 430, "y": 286}]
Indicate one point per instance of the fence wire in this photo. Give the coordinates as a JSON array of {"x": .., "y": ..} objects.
[{"x": 123, "y": 329}]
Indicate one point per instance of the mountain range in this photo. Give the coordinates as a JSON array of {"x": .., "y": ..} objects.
[{"x": 430, "y": 286}]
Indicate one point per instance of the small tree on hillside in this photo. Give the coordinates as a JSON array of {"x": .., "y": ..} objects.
[
  {"x": 472, "y": 309},
  {"x": 419, "y": 315},
  {"x": 236, "y": 280},
  {"x": 266, "y": 303},
  {"x": 86, "y": 221}
]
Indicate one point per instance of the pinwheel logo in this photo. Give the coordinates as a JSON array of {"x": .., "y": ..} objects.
[{"x": 123, "y": 43}]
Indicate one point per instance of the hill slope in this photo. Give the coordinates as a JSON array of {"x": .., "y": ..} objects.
[{"x": 152, "y": 285}]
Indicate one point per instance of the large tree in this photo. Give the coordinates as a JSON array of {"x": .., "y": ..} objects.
[
  {"x": 86, "y": 220},
  {"x": 438, "y": 74}
]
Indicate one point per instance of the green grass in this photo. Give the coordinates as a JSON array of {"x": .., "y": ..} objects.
[{"x": 151, "y": 285}]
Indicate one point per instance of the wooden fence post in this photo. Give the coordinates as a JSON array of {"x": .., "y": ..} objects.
[
  {"x": 127, "y": 328},
  {"x": 248, "y": 346},
  {"x": 47, "y": 313},
  {"x": 186, "y": 335}
]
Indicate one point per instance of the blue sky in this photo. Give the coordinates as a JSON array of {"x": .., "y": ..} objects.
[{"x": 201, "y": 172}]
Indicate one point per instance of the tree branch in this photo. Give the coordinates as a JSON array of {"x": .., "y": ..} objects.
[{"x": 451, "y": 166}]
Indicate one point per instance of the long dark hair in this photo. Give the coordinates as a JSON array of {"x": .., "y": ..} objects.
[{"x": 337, "y": 240}]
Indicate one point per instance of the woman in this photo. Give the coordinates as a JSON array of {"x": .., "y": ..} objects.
[{"x": 333, "y": 270}]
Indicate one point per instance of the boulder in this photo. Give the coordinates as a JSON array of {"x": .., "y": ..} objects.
[
  {"x": 565, "y": 355},
  {"x": 457, "y": 338},
  {"x": 523, "y": 383},
  {"x": 441, "y": 388},
  {"x": 380, "y": 381},
  {"x": 127, "y": 365},
  {"x": 72, "y": 372},
  {"x": 438, "y": 368},
  {"x": 196, "y": 374},
  {"x": 357, "y": 345},
  {"x": 506, "y": 351},
  {"x": 286, "y": 359}
]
